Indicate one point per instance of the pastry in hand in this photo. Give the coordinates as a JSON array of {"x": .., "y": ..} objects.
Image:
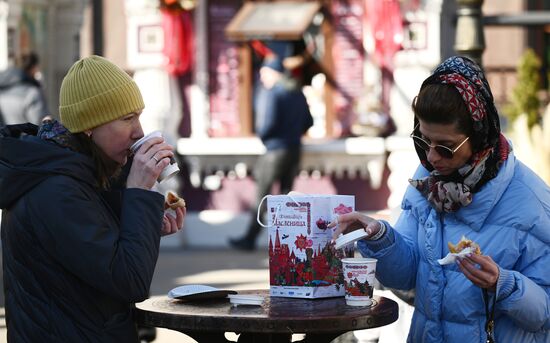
[
  {"x": 463, "y": 244},
  {"x": 173, "y": 201}
]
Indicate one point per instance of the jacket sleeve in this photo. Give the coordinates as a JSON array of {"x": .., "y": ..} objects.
[
  {"x": 524, "y": 295},
  {"x": 35, "y": 108},
  {"x": 523, "y": 287},
  {"x": 397, "y": 253},
  {"x": 79, "y": 231},
  {"x": 267, "y": 114},
  {"x": 308, "y": 118}
]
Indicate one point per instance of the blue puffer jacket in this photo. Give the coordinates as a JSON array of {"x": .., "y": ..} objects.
[{"x": 510, "y": 219}]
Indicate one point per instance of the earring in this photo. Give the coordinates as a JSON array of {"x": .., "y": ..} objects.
[{"x": 88, "y": 133}]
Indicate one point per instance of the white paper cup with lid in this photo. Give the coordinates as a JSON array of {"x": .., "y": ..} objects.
[
  {"x": 170, "y": 170},
  {"x": 359, "y": 275}
]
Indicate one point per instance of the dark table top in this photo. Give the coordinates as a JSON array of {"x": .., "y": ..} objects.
[{"x": 276, "y": 315}]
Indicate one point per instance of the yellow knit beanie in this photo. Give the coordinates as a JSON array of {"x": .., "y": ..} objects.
[{"x": 94, "y": 92}]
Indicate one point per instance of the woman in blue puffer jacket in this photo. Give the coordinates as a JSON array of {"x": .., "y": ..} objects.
[{"x": 469, "y": 184}]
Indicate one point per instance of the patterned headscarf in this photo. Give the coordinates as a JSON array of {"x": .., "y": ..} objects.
[{"x": 450, "y": 193}]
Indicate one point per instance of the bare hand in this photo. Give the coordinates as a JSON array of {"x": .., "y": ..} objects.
[
  {"x": 172, "y": 225},
  {"x": 355, "y": 221},
  {"x": 149, "y": 161},
  {"x": 481, "y": 270}
]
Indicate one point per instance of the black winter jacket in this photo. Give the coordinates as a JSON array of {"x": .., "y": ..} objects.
[
  {"x": 282, "y": 116},
  {"x": 73, "y": 267}
]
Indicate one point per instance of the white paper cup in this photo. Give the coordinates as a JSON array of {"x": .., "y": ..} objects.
[
  {"x": 170, "y": 169},
  {"x": 359, "y": 274}
]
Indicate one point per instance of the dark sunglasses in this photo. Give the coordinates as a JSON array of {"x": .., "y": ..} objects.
[{"x": 442, "y": 150}]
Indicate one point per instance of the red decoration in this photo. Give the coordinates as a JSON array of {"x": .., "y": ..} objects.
[
  {"x": 260, "y": 48},
  {"x": 322, "y": 224},
  {"x": 384, "y": 17},
  {"x": 301, "y": 242},
  {"x": 342, "y": 209},
  {"x": 321, "y": 266},
  {"x": 178, "y": 40}
]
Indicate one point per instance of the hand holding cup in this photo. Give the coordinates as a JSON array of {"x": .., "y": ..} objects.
[{"x": 152, "y": 157}]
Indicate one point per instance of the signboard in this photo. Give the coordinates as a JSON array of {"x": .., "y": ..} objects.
[{"x": 284, "y": 20}]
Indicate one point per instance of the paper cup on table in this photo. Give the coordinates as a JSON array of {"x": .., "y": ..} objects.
[
  {"x": 170, "y": 169},
  {"x": 359, "y": 276}
]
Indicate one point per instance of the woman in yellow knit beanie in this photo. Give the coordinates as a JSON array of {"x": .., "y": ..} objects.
[{"x": 80, "y": 239}]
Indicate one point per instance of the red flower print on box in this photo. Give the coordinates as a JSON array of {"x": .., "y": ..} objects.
[
  {"x": 343, "y": 209},
  {"x": 322, "y": 224}
]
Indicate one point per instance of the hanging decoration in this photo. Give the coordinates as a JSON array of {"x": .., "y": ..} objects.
[
  {"x": 177, "y": 25},
  {"x": 260, "y": 48},
  {"x": 178, "y": 4},
  {"x": 386, "y": 22}
]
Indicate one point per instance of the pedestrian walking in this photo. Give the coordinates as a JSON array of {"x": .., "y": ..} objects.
[
  {"x": 21, "y": 94},
  {"x": 282, "y": 118},
  {"x": 77, "y": 254}
]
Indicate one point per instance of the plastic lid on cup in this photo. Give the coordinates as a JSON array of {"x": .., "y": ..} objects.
[{"x": 350, "y": 238}]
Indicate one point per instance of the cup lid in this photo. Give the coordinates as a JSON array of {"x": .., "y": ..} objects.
[{"x": 350, "y": 238}]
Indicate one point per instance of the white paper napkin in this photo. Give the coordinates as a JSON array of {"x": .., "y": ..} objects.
[{"x": 451, "y": 257}]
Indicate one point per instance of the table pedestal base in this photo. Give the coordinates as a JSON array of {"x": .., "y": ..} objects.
[
  {"x": 320, "y": 338},
  {"x": 248, "y": 337},
  {"x": 258, "y": 337}
]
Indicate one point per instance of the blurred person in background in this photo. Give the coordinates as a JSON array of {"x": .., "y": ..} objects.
[
  {"x": 282, "y": 118},
  {"x": 21, "y": 95},
  {"x": 78, "y": 251}
]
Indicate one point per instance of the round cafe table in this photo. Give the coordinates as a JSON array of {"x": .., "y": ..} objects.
[{"x": 321, "y": 320}]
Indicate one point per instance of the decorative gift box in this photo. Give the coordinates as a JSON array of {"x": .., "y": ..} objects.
[{"x": 303, "y": 263}]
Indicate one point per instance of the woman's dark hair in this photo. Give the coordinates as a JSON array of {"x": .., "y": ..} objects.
[
  {"x": 105, "y": 168},
  {"x": 443, "y": 104},
  {"x": 29, "y": 61}
]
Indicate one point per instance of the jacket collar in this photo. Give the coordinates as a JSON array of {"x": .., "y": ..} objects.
[{"x": 475, "y": 214}]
